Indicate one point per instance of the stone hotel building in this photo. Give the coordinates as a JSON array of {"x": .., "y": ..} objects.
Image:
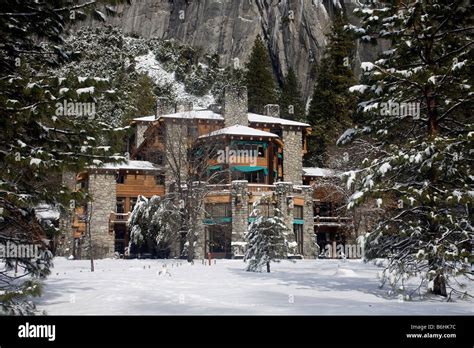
[{"x": 310, "y": 209}]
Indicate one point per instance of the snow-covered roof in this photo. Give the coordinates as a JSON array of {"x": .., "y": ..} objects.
[
  {"x": 322, "y": 172},
  {"x": 46, "y": 212},
  {"x": 211, "y": 115},
  {"x": 145, "y": 118},
  {"x": 137, "y": 165},
  {"x": 240, "y": 130},
  {"x": 194, "y": 114},
  {"x": 269, "y": 119}
]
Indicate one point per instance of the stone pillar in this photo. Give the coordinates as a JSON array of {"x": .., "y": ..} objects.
[
  {"x": 272, "y": 110},
  {"x": 309, "y": 238},
  {"x": 292, "y": 156},
  {"x": 235, "y": 108},
  {"x": 184, "y": 106},
  {"x": 240, "y": 214},
  {"x": 284, "y": 191},
  {"x": 140, "y": 129},
  {"x": 102, "y": 187},
  {"x": 164, "y": 107},
  {"x": 65, "y": 245}
]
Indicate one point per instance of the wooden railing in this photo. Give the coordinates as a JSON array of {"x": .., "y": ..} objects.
[
  {"x": 219, "y": 187},
  {"x": 119, "y": 217},
  {"x": 332, "y": 220},
  {"x": 260, "y": 187}
]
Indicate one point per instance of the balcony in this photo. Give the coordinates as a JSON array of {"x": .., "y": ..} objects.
[
  {"x": 336, "y": 221},
  {"x": 260, "y": 188},
  {"x": 119, "y": 218}
]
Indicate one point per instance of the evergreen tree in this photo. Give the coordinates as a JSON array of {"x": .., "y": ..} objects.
[
  {"x": 153, "y": 226},
  {"x": 332, "y": 105},
  {"x": 259, "y": 78},
  {"x": 291, "y": 102},
  {"x": 143, "y": 98},
  {"x": 266, "y": 236},
  {"x": 418, "y": 105},
  {"x": 41, "y": 136}
]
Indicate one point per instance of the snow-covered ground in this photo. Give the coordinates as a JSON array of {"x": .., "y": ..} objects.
[{"x": 308, "y": 287}]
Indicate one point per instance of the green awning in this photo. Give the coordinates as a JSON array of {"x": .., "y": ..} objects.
[
  {"x": 217, "y": 220},
  {"x": 249, "y": 169},
  {"x": 217, "y": 167}
]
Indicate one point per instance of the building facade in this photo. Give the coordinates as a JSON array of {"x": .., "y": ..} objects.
[{"x": 240, "y": 156}]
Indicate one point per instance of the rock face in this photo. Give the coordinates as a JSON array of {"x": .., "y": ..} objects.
[{"x": 295, "y": 30}]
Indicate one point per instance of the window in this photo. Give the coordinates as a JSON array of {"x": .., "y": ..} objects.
[
  {"x": 120, "y": 178},
  {"x": 298, "y": 212},
  {"x": 250, "y": 149},
  {"x": 161, "y": 131},
  {"x": 156, "y": 157},
  {"x": 193, "y": 131},
  {"x": 219, "y": 210},
  {"x": 323, "y": 209},
  {"x": 120, "y": 205},
  {"x": 256, "y": 177},
  {"x": 160, "y": 179},
  {"x": 133, "y": 202},
  {"x": 298, "y": 232},
  {"x": 219, "y": 241},
  {"x": 261, "y": 151},
  {"x": 266, "y": 210}
]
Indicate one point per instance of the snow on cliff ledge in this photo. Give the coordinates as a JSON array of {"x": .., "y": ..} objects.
[{"x": 149, "y": 65}]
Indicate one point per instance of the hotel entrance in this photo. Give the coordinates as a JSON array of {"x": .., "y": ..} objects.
[{"x": 218, "y": 241}]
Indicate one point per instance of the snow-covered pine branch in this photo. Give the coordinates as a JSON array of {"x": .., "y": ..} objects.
[{"x": 266, "y": 236}]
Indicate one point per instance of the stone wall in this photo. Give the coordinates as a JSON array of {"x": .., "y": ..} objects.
[
  {"x": 284, "y": 192},
  {"x": 235, "y": 106},
  {"x": 292, "y": 156},
  {"x": 309, "y": 238},
  {"x": 240, "y": 213},
  {"x": 65, "y": 245},
  {"x": 102, "y": 189},
  {"x": 164, "y": 107},
  {"x": 140, "y": 129}
]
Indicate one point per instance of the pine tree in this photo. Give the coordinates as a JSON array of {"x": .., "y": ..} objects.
[
  {"x": 418, "y": 104},
  {"x": 153, "y": 224},
  {"x": 259, "y": 78},
  {"x": 291, "y": 102},
  {"x": 41, "y": 136},
  {"x": 332, "y": 105},
  {"x": 142, "y": 97},
  {"x": 266, "y": 236}
]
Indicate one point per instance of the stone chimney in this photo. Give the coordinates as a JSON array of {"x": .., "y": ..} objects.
[
  {"x": 235, "y": 106},
  {"x": 164, "y": 107},
  {"x": 184, "y": 106},
  {"x": 271, "y": 110},
  {"x": 215, "y": 108}
]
